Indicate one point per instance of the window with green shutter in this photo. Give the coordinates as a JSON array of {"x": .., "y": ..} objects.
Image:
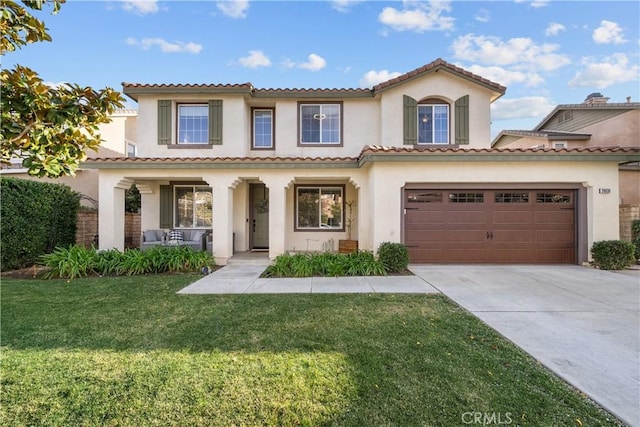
[{"x": 197, "y": 123}]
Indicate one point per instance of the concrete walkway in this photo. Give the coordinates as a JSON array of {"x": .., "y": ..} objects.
[{"x": 582, "y": 323}]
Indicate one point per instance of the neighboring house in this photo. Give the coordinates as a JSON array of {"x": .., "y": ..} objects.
[
  {"x": 273, "y": 169},
  {"x": 118, "y": 139}
]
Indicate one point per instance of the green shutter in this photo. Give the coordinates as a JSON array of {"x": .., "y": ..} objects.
[
  {"x": 215, "y": 122},
  {"x": 462, "y": 120},
  {"x": 166, "y": 206},
  {"x": 164, "y": 121},
  {"x": 410, "y": 120}
]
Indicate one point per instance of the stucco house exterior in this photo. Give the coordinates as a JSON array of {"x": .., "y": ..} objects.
[{"x": 275, "y": 170}]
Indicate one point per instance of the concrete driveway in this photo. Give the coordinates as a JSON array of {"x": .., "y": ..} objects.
[{"x": 582, "y": 323}]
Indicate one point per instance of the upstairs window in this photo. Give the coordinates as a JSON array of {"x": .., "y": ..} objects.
[
  {"x": 433, "y": 124},
  {"x": 320, "y": 124},
  {"x": 193, "y": 124},
  {"x": 263, "y": 128}
]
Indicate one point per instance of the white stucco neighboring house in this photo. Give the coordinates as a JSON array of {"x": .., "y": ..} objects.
[{"x": 274, "y": 170}]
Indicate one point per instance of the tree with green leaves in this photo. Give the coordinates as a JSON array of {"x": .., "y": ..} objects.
[{"x": 49, "y": 128}]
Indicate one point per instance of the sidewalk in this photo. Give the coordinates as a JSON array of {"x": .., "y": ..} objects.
[{"x": 245, "y": 279}]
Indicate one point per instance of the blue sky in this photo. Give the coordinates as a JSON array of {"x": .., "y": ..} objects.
[{"x": 545, "y": 52}]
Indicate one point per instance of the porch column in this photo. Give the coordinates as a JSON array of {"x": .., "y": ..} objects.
[
  {"x": 222, "y": 220},
  {"x": 111, "y": 211},
  {"x": 277, "y": 214}
]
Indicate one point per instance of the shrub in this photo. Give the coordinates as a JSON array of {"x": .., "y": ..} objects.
[
  {"x": 78, "y": 261},
  {"x": 636, "y": 244},
  {"x": 36, "y": 217},
  {"x": 394, "y": 256},
  {"x": 612, "y": 254},
  {"x": 635, "y": 229},
  {"x": 326, "y": 264}
]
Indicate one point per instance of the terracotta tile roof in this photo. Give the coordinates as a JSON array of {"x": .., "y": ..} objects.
[
  {"x": 377, "y": 149},
  {"x": 226, "y": 160},
  {"x": 133, "y": 89},
  {"x": 436, "y": 65}
]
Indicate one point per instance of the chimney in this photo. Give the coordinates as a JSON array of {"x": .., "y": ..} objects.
[
  {"x": 595, "y": 98},
  {"x": 628, "y": 100}
]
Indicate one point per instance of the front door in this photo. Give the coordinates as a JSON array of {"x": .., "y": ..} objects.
[{"x": 259, "y": 222}]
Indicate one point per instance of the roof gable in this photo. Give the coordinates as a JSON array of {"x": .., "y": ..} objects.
[{"x": 133, "y": 90}]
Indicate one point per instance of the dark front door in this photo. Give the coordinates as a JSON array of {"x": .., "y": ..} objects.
[{"x": 259, "y": 221}]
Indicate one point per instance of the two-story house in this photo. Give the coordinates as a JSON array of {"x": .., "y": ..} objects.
[{"x": 275, "y": 169}]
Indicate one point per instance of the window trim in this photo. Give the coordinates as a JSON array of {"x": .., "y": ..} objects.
[
  {"x": 433, "y": 103},
  {"x": 273, "y": 128},
  {"x": 174, "y": 202},
  {"x": 340, "y": 104},
  {"x": 199, "y": 144},
  {"x": 342, "y": 188}
]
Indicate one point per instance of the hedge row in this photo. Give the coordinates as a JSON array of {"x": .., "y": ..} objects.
[{"x": 35, "y": 217}]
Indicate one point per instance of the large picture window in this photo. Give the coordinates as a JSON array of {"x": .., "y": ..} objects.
[
  {"x": 193, "y": 206},
  {"x": 263, "y": 128},
  {"x": 193, "y": 124},
  {"x": 433, "y": 124},
  {"x": 319, "y": 208},
  {"x": 320, "y": 124}
]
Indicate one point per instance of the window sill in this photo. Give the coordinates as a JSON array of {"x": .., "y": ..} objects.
[{"x": 189, "y": 146}]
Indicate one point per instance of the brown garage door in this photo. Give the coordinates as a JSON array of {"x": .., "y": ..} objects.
[{"x": 490, "y": 226}]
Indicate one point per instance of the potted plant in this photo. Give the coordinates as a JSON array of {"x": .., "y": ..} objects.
[{"x": 348, "y": 245}]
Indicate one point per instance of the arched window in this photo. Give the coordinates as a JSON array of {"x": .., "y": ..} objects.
[{"x": 433, "y": 121}]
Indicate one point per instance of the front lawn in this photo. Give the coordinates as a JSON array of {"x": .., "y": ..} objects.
[{"x": 130, "y": 351}]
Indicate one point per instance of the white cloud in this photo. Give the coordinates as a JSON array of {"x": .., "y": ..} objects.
[
  {"x": 506, "y": 77},
  {"x": 165, "y": 46},
  {"x": 553, "y": 29},
  {"x": 141, "y": 7},
  {"x": 519, "y": 108},
  {"x": 372, "y": 78},
  {"x": 418, "y": 16},
  {"x": 520, "y": 52},
  {"x": 234, "y": 8},
  {"x": 600, "y": 75},
  {"x": 315, "y": 63},
  {"x": 534, "y": 3},
  {"x": 344, "y": 5},
  {"x": 255, "y": 59},
  {"x": 483, "y": 15},
  {"x": 608, "y": 32}
]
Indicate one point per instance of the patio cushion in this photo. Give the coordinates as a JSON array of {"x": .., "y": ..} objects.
[
  {"x": 176, "y": 235},
  {"x": 153, "y": 235},
  {"x": 193, "y": 235}
]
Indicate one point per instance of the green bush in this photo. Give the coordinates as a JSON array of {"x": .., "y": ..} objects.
[
  {"x": 636, "y": 252},
  {"x": 394, "y": 256},
  {"x": 613, "y": 254},
  {"x": 35, "y": 217},
  {"x": 326, "y": 264},
  {"x": 78, "y": 261},
  {"x": 635, "y": 229}
]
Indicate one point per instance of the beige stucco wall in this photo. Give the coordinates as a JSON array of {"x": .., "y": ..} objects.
[
  {"x": 630, "y": 187},
  {"x": 622, "y": 130},
  {"x": 440, "y": 85},
  {"x": 602, "y": 209},
  {"x": 377, "y": 189}
]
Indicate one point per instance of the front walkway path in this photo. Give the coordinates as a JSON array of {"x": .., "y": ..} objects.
[{"x": 245, "y": 279}]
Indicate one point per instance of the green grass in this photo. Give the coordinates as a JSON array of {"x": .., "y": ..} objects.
[{"x": 130, "y": 351}]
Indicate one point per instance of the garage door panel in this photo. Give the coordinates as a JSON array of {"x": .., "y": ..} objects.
[
  {"x": 495, "y": 226},
  {"x": 512, "y": 217},
  {"x": 560, "y": 217},
  {"x": 468, "y": 217}
]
